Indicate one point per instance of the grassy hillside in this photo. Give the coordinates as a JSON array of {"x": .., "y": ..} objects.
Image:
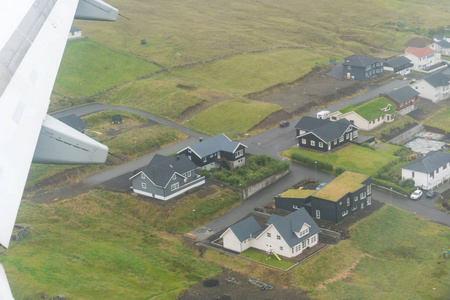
[
  {"x": 110, "y": 246},
  {"x": 180, "y": 32},
  {"x": 440, "y": 120}
]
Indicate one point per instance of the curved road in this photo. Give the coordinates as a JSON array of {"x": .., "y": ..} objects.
[{"x": 270, "y": 142}]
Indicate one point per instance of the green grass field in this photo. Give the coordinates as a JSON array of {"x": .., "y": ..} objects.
[
  {"x": 88, "y": 68},
  {"x": 103, "y": 245},
  {"x": 440, "y": 120},
  {"x": 353, "y": 157},
  {"x": 233, "y": 118},
  {"x": 263, "y": 258}
]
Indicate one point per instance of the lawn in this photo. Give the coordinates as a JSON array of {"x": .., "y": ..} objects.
[
  {"x": 270, "y": 260},
  {"x": 353, "y": 157},
  {"x": 76, "y": 245},
  {"x": 403, "y": 264},
  {"x": 440, "y": 120},
  {"x": 88, "y": 68},
  {"x": 234, "y": 118},
  {"x": 372, "y": 109}
]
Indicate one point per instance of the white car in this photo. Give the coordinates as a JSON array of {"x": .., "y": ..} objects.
[{"x": 416, "y": 194}]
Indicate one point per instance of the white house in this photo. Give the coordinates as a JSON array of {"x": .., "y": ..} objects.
[
  {"x": 422, "y": 58},
  {"x": 74, "y": 33},
  {"x": 286, "y": 236},
  {"x": 442, "y": 47},
  {"x": 435, "y": 87},
  {"x": 399, "y": 65},
  {"x": 428, "y": 171}
]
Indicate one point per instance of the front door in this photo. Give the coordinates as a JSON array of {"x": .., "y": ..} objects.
[{"x": 317, "y": 214}]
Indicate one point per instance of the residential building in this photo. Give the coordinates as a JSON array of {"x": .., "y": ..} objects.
[
  {"x": 74, "y": 33},
  {"x": 361, "y": 67},
  {"x": 399, "y": 65},
  {"x": 323, "y": 134},
  {"x": 347, "y": 194},
  {"x": 435, "y": 87},
  {"x": 286, "y": 236},
  {"x": 428, "y": 171},
  {"x": 166, "y": 177},
  {"x": 216, "y": 152},
  {"x": 406, "y": 99},
  {"x": 423, "y": 59},
  {"x": 442, "y": 47},
  {"x": 75, "y": 122},
  {"x": 369, "y": 115}
]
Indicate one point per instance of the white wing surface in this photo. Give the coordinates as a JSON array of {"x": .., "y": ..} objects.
[{"x": 33, "y": 36}]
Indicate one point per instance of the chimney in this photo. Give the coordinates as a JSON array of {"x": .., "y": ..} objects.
[
  {"x": 200, "y": 139},
  {"x": 178, "y": 157}
]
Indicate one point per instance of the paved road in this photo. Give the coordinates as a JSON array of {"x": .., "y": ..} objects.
[{"x": 270, "y": 142}]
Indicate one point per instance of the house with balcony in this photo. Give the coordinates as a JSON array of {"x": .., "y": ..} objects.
[
  {"x": 423, "y": 59},
  {"x": 399, "y": 65},
  {"x": 442, "y": 47}
]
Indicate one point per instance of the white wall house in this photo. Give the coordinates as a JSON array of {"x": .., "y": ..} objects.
[
  {"x": 286, "y": 236},
  {"x": 442, "y": 47},
  {"x": 435, "y": 87},
  {"x": 428, "y": 171},
  {"x": 74, "y": 33},
  {"x": 422, "y": 58}
]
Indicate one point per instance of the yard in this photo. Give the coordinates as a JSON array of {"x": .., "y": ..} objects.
[{"x": 440, "y": 120}]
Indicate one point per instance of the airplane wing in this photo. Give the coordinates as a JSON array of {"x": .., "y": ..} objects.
[{"x": 32, "y": 40}]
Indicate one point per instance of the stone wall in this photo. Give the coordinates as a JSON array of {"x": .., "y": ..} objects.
[
  {"x": 407, "y": 136},
  {"x": 254, "y": 188},
  {"x": 20, "y": 232},
  {"x": 327, "y": 236}
]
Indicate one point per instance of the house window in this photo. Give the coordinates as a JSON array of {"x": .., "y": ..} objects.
[
  {"x": 344, "y": 213},
  {"x": 190, "y": 158},
  {"x": 174, "y": 186},
  {"x": 335, "y": 142},
  {"x": 437, "y": 171},
  {"x": 444, "y": 167},
  {"x": 304, "y": 141},
  {"x": 239, "y": 153},
  {"x": 204, "y": 159},
  {"x": 142, "y": 175},
  {"x": 349, "y": 67},
  {"x": 281, "y": 248},
  {"x": 278, "y": 237},
  {"x": 356, "y": 198},
  {"x": 341, "y": 139},
  {"x": 362, "y": 205},
  {"x": 432, "y": 174},
  {"x": 188, "y": 174},
  {"x": 174, "y": 177},
  {"x": 298, "y": 248},
  {"x": 348, "y": 201},
  {"x": 313, "y": 143},
  {"x": 317, "y": 214},
  {"x": 369, "y": 200},
  {"x": 304, "y": 232},
  {"x": 304, "y": 244},
  {"x": 144, "y": 185},
  {"x": 354, "y": 207},
  {"x": 369, "y": 188},
  {"x": 320, "y": 144},
  {"x": 269, "y": 234},
  {"x": 346, "y": 136}
]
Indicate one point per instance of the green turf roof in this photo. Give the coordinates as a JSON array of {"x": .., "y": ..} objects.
[
  {"x": 297, "y": 193},
  {"x": 370, "y": 110},
  {"x": 347, "y": 182}
]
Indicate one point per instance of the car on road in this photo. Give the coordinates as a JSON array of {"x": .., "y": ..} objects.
[
  {"x": 321, "y": 186},
  {"x": 431, "y": 194},
  {"x": 417, "y": 194},
  {"x": 284, "y": 123}
]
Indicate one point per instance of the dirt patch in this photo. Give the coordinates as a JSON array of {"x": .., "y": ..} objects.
[
  {"x": 426, "y": 109},
  {"x": 242, "y": 289},
  {"x": 418, "y": 42},
  {"x": 314, "y": 90},
  {"x": 273, "y": 120}
]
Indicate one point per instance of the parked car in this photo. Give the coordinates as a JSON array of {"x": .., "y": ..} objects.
[
  {"x": 416, "y": 194},
  {"x": 321, "y": 186},
  {"x": 284, "y": 123},
  {"x": 431, "y": 194}
]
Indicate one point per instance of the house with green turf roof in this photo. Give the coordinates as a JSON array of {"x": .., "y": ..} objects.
[
  {"x": 345, "y": 195},
  {"x": 369, "y": 115}
]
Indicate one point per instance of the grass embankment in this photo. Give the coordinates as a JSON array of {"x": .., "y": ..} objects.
[
  {"x": 440, "y": 120},
  {"x": 233, "y": 118},
  {"x": 103, "y": 245},
  {"x": 88, "y": 67}
]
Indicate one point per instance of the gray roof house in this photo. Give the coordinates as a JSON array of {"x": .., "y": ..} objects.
[
  {"x": 216, "y": 152},
  {"x": 286, "y": 236},
  {"x": 435, "y": 87},
  {"x": 406, "y": 99},
  {"x": 442, "y": 46},
  {"x": 166, "y": 177},
  {"x": 362, "y": 67},
  {"x": 75, "y": 122},
  {"x": 323, "y": 134},
  {"x": 428, "y": 171},
  {"x": 400, "y": 65}
]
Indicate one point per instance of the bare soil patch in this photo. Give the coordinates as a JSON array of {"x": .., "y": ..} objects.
[
  {"x": 427, "y": 108},
  {"x": 418, "y": 42}
]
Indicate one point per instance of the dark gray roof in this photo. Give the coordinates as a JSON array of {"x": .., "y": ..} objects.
[
  {"x": 325, "y": 129},
  {"x": 74, "y": 122},
  {"x": 429, "y": 163},
  {"x": 402, "y": 94},
  {"x": 439, "y": 36},
  {"x": 74, "y": 29},
  {"x": 293, "y": 222},
  {"x": 438, "y": 79},
  {"x": 397, "y": 62},
  {"x": 212, "y": 145},
  {"x": 443, "y": 44},
  {"x": 161, "y": 168},
  {"x": 246, "y": 228},
  {"x": 356, "y": 60}
]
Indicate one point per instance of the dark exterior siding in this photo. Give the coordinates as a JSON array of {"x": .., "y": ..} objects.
[
  {"x": 212, "y": 158},
  {"x": 360, "y": 73},
  {"x": 312, "y": 137}
]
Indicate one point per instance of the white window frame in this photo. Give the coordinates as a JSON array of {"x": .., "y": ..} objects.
[
  {"x": 239, "y": 153},
  {"x": 344, "y": 213},
  {"x": 317, "y": 214},
  {"x": 320, "y": 145},
  {"x": 313, "y": 143},
  {"x": 142, "y": 175},
  {"x": 144, "y": 185},
  {"x": 304, "y": 141},
  {"x": 175, "y": 186}
]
